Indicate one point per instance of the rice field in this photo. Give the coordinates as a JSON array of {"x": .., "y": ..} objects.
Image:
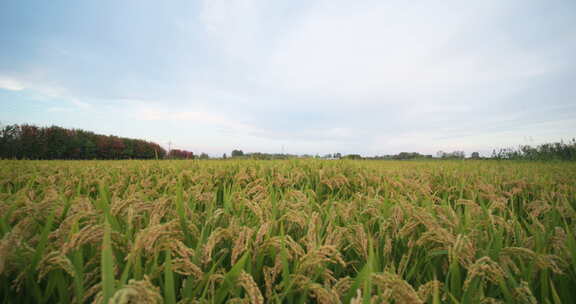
[{"x": 292, "y": 231}]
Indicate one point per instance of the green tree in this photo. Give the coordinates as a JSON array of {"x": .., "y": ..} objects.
[
  {"x": 237, "y": 153},
  {"x": 353, "y": 156}
]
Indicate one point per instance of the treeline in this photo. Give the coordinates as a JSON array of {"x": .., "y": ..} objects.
[
  {"x": 239, "y": 154},
  {"x": 551, "y": 151},
  {"x": 32, "y": 142},
  {"x": 402, "y": 156},
  {"x": 180, "y": 154}
]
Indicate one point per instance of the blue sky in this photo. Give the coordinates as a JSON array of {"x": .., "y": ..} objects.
[{"x": 369, "y": 77}]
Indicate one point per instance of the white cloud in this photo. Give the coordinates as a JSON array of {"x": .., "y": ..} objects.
[
  {"x": 10, "y": 84},
  {"x": 28, "y": 83},
  {"x": 391, "y": 49},
  {"x": 233, "y": 25},
  {"x": 338, "y": 133},
  {"x": 42, "y": 92},
  {"x": 148, "y": 112},
  {"x": 60, "y": 110},
  {"x": 80, "y": 104}
]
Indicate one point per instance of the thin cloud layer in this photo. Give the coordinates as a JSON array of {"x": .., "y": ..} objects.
[{"x": 366, "y": 77}]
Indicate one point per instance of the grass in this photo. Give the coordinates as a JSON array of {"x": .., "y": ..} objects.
[{"x": 295, "y": 231}]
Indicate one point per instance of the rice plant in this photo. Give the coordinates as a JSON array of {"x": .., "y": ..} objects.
[{"x": 291, "y": 231}]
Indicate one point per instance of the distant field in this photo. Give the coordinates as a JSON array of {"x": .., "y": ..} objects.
[{"x": 295, "y": 231}]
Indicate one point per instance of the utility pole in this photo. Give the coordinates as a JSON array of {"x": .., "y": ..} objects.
[{"x": 169, "y": 147}]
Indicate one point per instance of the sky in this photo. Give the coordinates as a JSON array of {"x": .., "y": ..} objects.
[{"x": 300, "y": 76}]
